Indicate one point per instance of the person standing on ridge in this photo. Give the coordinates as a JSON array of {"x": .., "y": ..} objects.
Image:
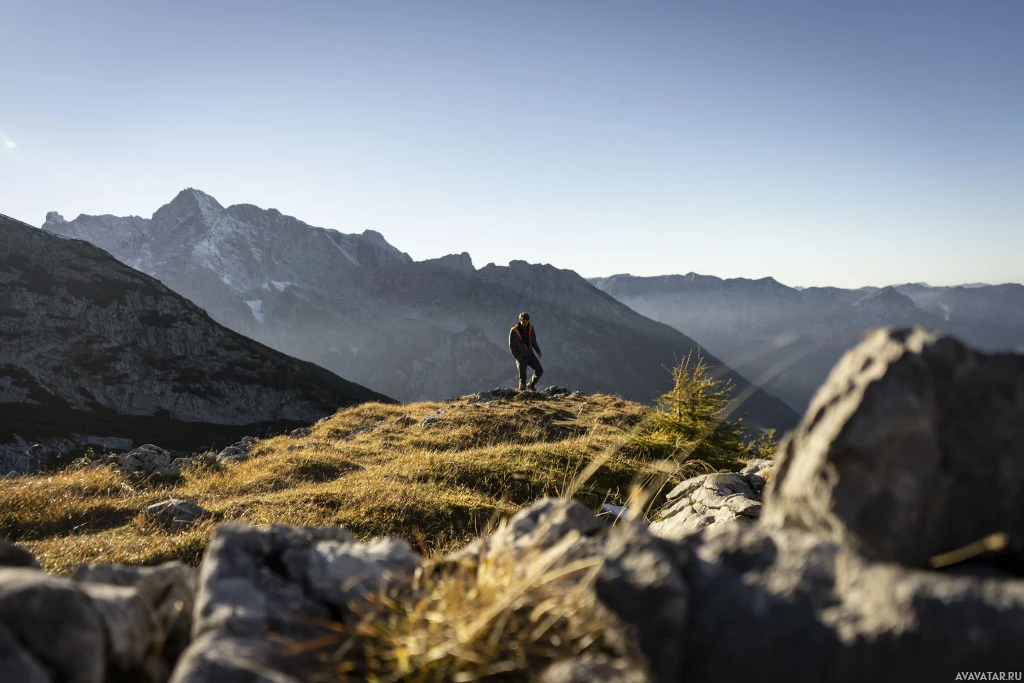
[{"x": 522, "y": 341}]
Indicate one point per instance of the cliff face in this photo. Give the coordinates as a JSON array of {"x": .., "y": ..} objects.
[{"x": 83, "y": 333}]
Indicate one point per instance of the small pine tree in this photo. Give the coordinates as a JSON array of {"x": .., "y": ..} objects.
[{"x": 688, "y": 425}]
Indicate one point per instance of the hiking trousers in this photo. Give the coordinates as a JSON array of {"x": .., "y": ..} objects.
[{"x": 530, "y": 361}]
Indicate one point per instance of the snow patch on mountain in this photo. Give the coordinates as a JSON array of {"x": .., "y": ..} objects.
[{"x": 256, "y": 306}]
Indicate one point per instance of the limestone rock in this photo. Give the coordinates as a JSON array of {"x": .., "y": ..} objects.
[
  {"x": 114, "y": 624},
  {"x": 642, "y": 583},
  {"x": 289, "y": 582},
  {"x": 914, "y": 447},
  {"x": 711, "y": 500},
  {"x": 170, "y": 591},
  {"x": 176, "y": 513},
  {"x": 238, "y": 452},
  {"x": 805, "y": 608},
  {"x": 431, "y": 419}
]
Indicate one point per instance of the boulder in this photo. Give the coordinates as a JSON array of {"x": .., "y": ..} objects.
[
  {"x": 913, "y": 447},
  {"x": 267, "y": 593},
  {"x": 170, "y": 591},
  {"x": 805, "y": 608},
  {"x": 151, "y": 456},
  {"x": 641, "y": 581},
  {"x": 113, "y": 624}
]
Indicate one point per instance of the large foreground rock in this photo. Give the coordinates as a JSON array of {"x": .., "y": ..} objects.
[
  {"x": 267, "y": 593},
  {"x": 914, "y": 447},
  {"x": 109, "y": 624},
  {"x": 781, "y": 604}
]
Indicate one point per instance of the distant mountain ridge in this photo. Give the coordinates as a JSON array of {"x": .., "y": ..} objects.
[
  {"x": 91, "y": 346},
  {"x": 787, "y": 339},
  {"x": 365, "y": 310}
]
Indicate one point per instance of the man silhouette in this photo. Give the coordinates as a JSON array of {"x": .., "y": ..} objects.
[{"x": 522, "y": 341}]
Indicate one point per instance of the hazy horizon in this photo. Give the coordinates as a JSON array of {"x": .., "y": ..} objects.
[{"x": 821, "y": 145}]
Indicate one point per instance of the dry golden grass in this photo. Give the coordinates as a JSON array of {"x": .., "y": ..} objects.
[
  {"x": 436, "y": 486},
  {"x": 498, "y": 615}
]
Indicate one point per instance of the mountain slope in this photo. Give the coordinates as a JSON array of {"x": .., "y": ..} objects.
[
  {"x": 787, "y": 340},
  {"x": 413, "y": 330},
  {"x": 88, "y": 341}
]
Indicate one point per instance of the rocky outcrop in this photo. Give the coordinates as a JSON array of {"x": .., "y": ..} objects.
[
  {"x": 93, "y": 347},
  {"x": 914, "y": 447},
  {"x": 806, "y": 608},
  {"x": 711, "y": 500},
  {"x": 508, "y": 393}
]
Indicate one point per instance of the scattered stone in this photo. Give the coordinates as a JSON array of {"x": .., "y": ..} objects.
[
  {"x": 182, "y": 463},
  {"x": 300, "y": 433},
  {"x": 431, "y": 419},
  {"x": 176, "y": 513},
  {"x": 913, "y": 447},
  {"x": 309, "y": 445},
  {"x": 362, "y": 430},
  {"x": 237, "y": 452},
  {"x": 165, "y": 475},
  {"x": 405, "y": 420}
]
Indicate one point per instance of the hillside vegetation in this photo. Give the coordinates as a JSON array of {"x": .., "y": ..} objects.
[{"x": 436, "y": 485}]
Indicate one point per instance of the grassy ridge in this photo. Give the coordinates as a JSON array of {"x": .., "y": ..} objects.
[{"x": 436, "y": 486}]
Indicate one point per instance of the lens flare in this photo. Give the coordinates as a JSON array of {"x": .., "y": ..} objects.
[{"x": 8, "y": 142}]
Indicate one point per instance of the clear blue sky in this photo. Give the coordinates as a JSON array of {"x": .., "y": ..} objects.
[{"x": 820, "y": 142}]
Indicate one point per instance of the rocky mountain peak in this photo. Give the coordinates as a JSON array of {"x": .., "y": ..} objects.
[
  {"x": 191, "y": 197},
  {"x": 54, "y": 217},
  {"x": 460, "y": 263},
  {"x": 888, "y": 297}
]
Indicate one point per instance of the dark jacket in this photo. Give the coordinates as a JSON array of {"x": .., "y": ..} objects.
[{"x": 522, "y": 343}]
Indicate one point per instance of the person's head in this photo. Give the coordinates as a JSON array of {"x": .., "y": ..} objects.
[{"x": 524, "y": 318}]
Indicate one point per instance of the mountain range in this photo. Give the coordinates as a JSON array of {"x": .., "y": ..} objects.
[
  {"x": 414, "y": 330},
  {"x": 93, "y": 350},
  {"x": 787, "y": 339}
]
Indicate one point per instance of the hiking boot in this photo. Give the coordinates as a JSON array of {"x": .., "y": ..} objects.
[
  {"x": 532, "y": 386},
  {"x": 521, "y": 387}
]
